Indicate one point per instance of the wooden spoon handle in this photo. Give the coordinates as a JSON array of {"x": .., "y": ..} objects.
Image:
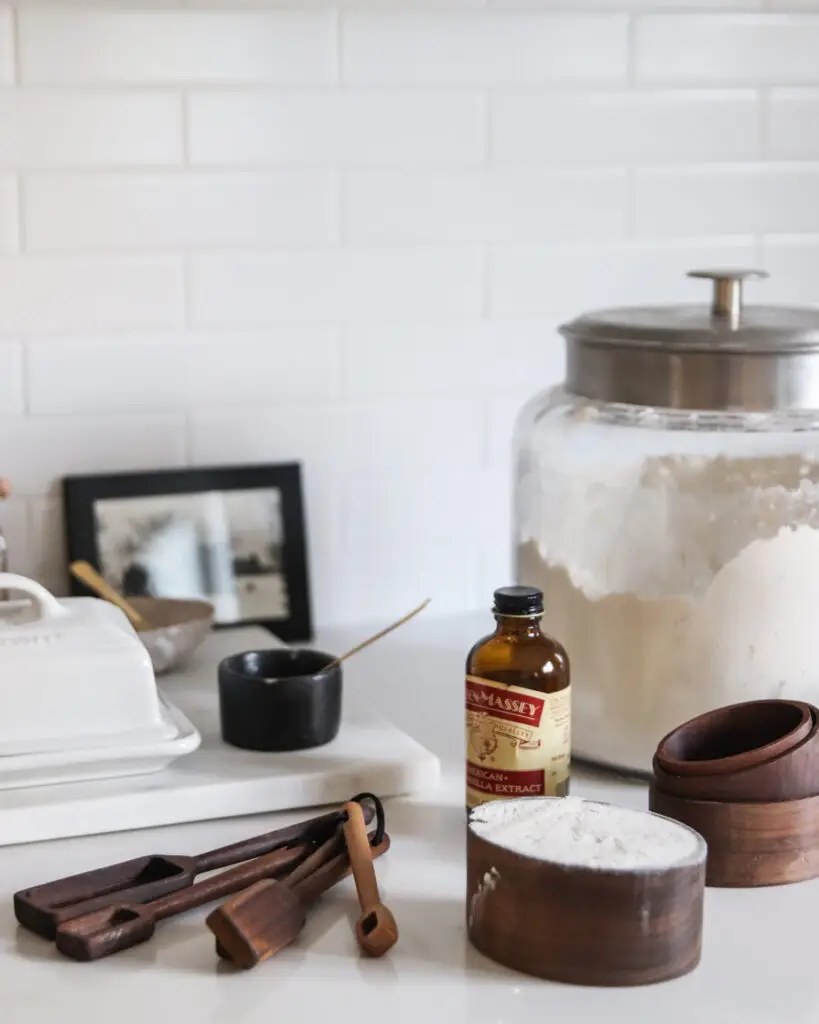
[
  {"x": 309, "y": 889},
  {"x": 361, "y": 859},
  {"x": 87, "y": 574},
  {"x": 226, "y": 882}
]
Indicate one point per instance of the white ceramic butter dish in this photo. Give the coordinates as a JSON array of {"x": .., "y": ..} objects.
[
  {"x": 73, "y": 675},
  {"x": 131, "y": 757}
]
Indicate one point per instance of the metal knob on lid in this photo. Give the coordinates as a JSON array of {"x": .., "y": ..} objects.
[
  {"x": 726, "y": 303},
  {"x": 723, "y": 357}
]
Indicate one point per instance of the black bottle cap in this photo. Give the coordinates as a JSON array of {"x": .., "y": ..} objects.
[{"x": 518, "y": 601}]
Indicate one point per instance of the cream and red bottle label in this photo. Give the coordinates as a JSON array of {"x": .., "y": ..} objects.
[{"x": 518, "y": 741}]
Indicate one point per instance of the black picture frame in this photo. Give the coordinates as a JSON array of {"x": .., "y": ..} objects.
[{"x": 81, "y": 494}]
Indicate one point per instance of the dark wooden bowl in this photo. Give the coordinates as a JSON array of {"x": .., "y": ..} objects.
[
  {"x": 584, "y": 926},
  {"x": 750, "y": 844},
  {"x": 735, "y": 737},
  {"x": 790, "y": 775}
]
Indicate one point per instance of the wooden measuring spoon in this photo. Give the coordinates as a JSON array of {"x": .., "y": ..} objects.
[
  {"x": 43, "y": 908},
  {"x": 254, "y": 925},
  {"x": 107, "y": 931},
  {"x": 375, "y": 930},
  {"x": 87, "y": 574}
]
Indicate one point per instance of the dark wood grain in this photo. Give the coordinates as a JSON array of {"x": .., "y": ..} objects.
[
  {"x": 792, "y": 775},
  {"x": 750, "y": 844},
  {"x": 121, "y": 926},
  {"x": 735, "y": 737},
  {"x": 254, "y": 925},
  {"x": 581, "y": 925},
  {"x": 43, "y": 908}
]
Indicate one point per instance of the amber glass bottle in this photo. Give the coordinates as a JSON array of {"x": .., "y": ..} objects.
[{"x": 518, "y": 710}]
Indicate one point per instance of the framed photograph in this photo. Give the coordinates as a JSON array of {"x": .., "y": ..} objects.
[{"x": 231, "y": 535}]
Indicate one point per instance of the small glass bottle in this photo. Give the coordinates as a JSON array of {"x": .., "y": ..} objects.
[{"x": 518, "y": 710}]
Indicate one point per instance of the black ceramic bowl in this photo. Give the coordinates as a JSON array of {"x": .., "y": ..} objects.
[{"x": 279, "y": 700}]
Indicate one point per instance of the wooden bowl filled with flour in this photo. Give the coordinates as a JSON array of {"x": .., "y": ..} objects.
[{"x": 583, "y": 892}]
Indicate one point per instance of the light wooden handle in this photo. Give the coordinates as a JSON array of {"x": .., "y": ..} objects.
[
  {"x": 86, "y": 573},
  {"x": 377, "y": 636},
  {"x": 361, "y": 858}
]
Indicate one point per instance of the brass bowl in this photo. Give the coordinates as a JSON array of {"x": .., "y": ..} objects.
[{"x": 179, "y": 627}]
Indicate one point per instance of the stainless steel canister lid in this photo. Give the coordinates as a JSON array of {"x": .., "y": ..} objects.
[{"x": 723, "y": 357}]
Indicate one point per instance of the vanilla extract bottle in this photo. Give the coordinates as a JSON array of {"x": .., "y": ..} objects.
[{"x": 518, "y": 706}]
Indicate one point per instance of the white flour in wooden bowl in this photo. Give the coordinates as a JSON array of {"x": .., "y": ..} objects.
[{"x": 584, "y": 833}]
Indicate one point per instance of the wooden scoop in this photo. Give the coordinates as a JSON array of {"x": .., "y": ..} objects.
[
  {"x": 87, "y": 574},
  {"x": 376, "y": 930},
  {"x": 124, "y": 925},
  {"x": 43, "y": 908},
  {"x": 254, "y": 925}
]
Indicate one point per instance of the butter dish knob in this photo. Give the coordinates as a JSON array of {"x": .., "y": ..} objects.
[{"x": 50, "y": 607}]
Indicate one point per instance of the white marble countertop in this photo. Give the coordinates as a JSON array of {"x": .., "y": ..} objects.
[{"x": 759, "y": 959}]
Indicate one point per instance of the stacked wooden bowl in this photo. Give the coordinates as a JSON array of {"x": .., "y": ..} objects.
[{"x": 746, "y": 777}]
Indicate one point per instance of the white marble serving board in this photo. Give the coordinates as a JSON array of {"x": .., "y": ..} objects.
[{"x": 219, "y": 781}]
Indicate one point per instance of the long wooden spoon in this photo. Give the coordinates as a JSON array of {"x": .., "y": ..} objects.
[
  {"x": 87, "y": 574},
  {"x": 377, "y": 636}
]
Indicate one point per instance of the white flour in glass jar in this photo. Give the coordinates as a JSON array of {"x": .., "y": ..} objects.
[{"x": 677, "y": 582}]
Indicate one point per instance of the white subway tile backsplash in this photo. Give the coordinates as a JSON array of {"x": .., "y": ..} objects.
[
  {"x": 625, "y": 127},
  {"x": 484, "y": 206},
  {"x": 6, "y": 45},
  {"x": 727, "y": 200},
  {"x": 490, "y": 48},
  {"x": 149, "y": 374},
  {"x": 741, "y": 48},
  {"x": 402, "y": 433},
  {"x": 45, "y": 553},
  {"x": 343, "y": 128},
  {"x": 422, "y": 506},
  {"x": 77, "y": 45},
  {"x": 479, "y": 358},
  {"x": 793, "y": 265},
  {"x": 80, "y": 294},
  {"x": 83, "y": 129},
  {"x": 793, "y": 124},
  {"x": 350, "y": 286},
  {"x": 39, "y": 450},
  {"x": 367, "y": 581},
  {"x": 347, "y": 231},
  {"x": 11, "y": 379},
  {"x": 162, "y": 211},
  {"x": 575, "y": 279},
  {"x": 9, "y": 227}
]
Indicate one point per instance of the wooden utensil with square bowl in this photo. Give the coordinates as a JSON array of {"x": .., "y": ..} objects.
[
  {"x": 750, "y": 844},
  {"x": 585, "y": 925},
  {"x": 43, "y": 908},
  {"x": 257, "y": 923},
  {"x": 123, "y": 925},
  {"x": 735, "y": 737},
  {"x": 376, "y": 931}
]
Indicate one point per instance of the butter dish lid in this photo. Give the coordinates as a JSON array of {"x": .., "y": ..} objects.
[
  {"x": 47, "y": 626},
  {"x": 75, "y": 674}
]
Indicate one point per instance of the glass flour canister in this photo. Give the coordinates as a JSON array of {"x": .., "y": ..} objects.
[{"x": 667, "y": 503}]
